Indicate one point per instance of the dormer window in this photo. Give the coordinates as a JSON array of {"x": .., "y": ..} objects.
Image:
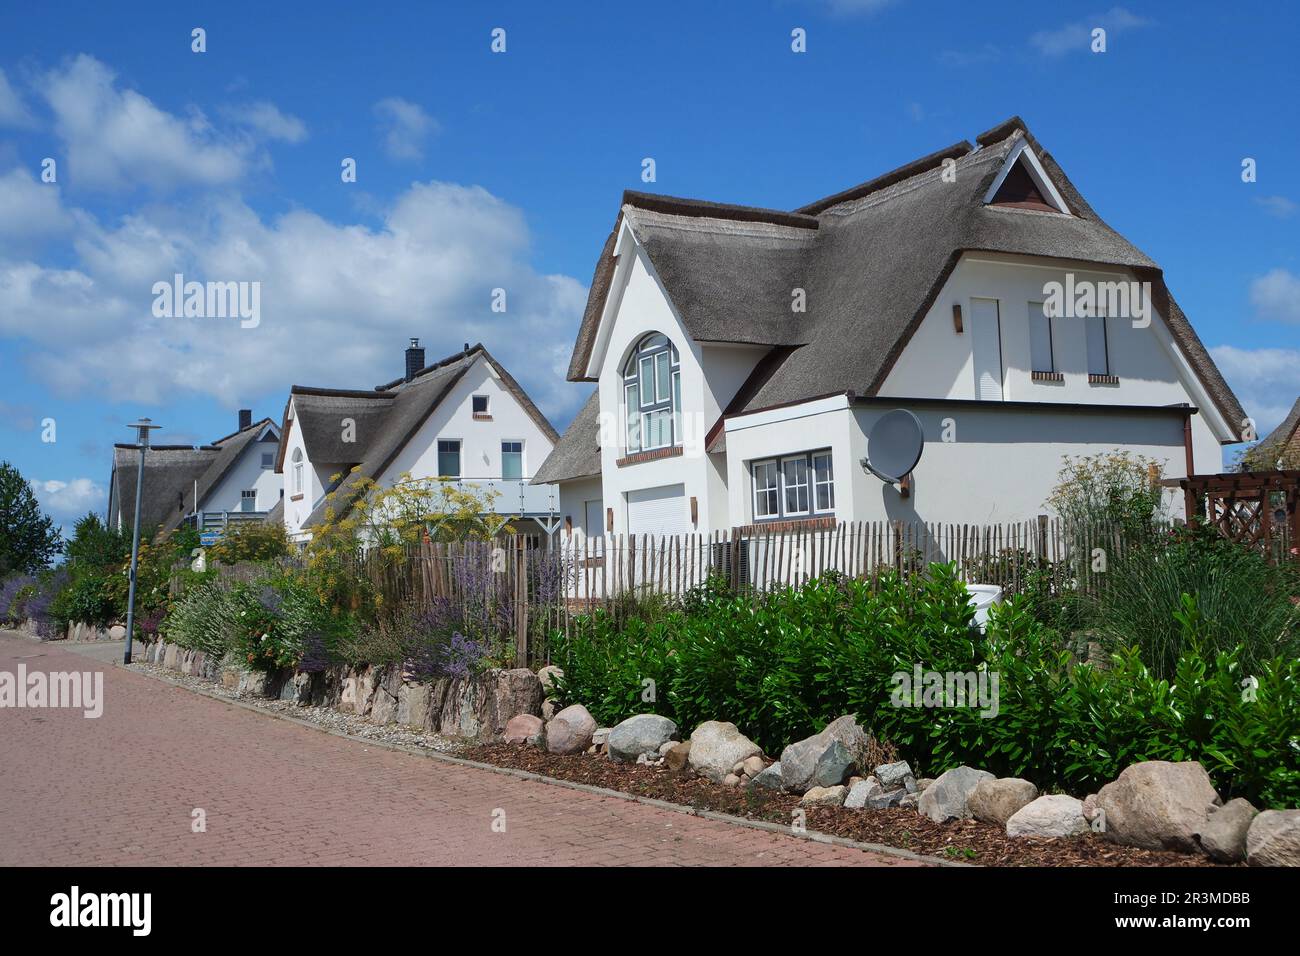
[
  {"x": 652, "y": 395},
  {"x": 1023, "y": 183},
  {"x": 479, "y": 406}
]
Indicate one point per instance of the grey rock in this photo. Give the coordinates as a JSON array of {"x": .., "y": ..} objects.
[
  {"x": 1055, "y": 815},
  {"x": 1223, "y": 835},
  {"x": 998, "y": 800},
  {"x": 946, "y": 798},
  {"x": 666, "y": 746},
  {"x": 910, "y": 800},
  {"x": 716, "y": 747},
  {"x": 860, "y": 791},
  {"x": 752, "y": 766},
  {"x": 413, "y": 704},
  {"x": 642, "y": 734},
  {"x": 1274, "y": 839},
  {"x": 1158, "y": 805},
  {"x": 769, "y": 778},
  {"x": 893, "y": 775},
  {"x": 523, "y": 729},
  {"x": 825, "y": 758},
  {"x": 546, "y": 677}
]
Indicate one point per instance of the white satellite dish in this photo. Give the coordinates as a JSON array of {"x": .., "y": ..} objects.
[{"x": 894, "y": 445}]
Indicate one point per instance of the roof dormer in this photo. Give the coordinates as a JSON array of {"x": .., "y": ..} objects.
[{"x": 1023, "y": 183}]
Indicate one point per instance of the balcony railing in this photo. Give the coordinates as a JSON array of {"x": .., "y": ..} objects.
[
  {"x": 515, "y": 496},
  {"x": 221, "y": 520}
]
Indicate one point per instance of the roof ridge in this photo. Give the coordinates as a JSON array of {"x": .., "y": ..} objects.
[
  {"x": 704, "y": 208},
  {"x": 906, "y": 171},
  {"x": 441, "y": 363}
]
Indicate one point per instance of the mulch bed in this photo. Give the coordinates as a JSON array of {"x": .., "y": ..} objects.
[{"x": 967, "y": 841}]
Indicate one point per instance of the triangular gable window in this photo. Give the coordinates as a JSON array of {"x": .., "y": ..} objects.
[
  {"x": 1020, "y": 190},
  {"x": 1024, "y": 184}
]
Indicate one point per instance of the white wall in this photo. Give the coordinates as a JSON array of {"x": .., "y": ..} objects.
[
  {"x": 316, "y": 475},
  {"x": 937, "y": 363},
  {"x": 247, "y": 474},
  {"x": 480, "y": 441}
]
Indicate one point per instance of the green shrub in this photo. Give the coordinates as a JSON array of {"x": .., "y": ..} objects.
[{"x": 88, "y": 598}]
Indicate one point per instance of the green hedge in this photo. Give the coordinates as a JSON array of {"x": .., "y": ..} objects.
[{"x": 782, "y": 667}]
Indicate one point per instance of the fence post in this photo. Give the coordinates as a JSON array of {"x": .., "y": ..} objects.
[
  {"x": 521, "y": 604},
  {"x": 1042, "y": 541}
]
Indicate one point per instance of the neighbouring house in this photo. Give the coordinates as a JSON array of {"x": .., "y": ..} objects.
[
  {"x": 204, "y": 486},
  {"x": 741, "y": 355},
  {"x": 1279, "y": 450},
  {"x": 464, "y": 418}
]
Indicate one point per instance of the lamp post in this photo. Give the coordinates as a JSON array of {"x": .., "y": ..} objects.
[{"x": 142, "y": 427}]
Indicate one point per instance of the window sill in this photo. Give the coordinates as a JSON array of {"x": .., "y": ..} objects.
[
  {"x": 788, "y": 524},
  {"x": 1094, "y": 379},
  {"x": 482, "y": 417},
  {"x": 297, "y": 497},
  {"x": 1047, "y": 377},
  {"x": 673, "y": 451}
]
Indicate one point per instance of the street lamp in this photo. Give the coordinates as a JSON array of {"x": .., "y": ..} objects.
[{"x": 142, "y": 427}]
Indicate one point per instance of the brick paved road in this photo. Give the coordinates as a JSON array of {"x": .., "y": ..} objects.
[{"x": 120, "y": 790}]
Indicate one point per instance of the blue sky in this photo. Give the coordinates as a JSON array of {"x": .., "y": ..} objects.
[{"x": 478, "y": 171}]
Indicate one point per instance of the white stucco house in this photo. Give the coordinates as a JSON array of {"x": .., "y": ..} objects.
[
  {"x": 740, "y": 356},
  {"x": 205, "y": 486},
  {"x": 463, "y": 418}
]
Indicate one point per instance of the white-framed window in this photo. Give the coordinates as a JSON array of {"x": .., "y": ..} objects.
[
  {"x": 479, "y": 404},
  {"x": 767, "y": 490},
  {"x": 448, "y": 458},
  {"x": 1041, "y": 351},
  {"x": 248, "y": 499},
  {"x": 794, "y": 486},
  {"x": 652, "y": 394},
  {"x": 823, "y": 482},
  {"x": 1098, "y": 348},
  {"x": 512, "y": 459},
  {"x": 297, "y": 471}
]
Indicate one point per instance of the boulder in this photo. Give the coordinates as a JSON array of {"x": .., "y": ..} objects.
[
  {"x": 893, "y": 775},
  {"x": 996, "y": 801},
  {"x": 642, "y": 734},
  {"x": 946, "y": 798},
  {"x": 666, "y": 746},
  {"x": 1274, "y": 839},
  {"x": 383, "y": 707},
  {"x": 523, "y": 729},
  {"x": 1055, "y": 815},
  {"x": 1090, "y": 808},
  {"x": 1158, "y": 805},
  {"x": 769, "y": 778},
  {"x": 924, "y": 784},
  {"x": 570, "y": 731},
  {"x": 117, "y": 633},
  {"x": 731, "y": 780},
  {"x": 678, "y": 755},
  {"x": 717, "y": 746},
  {"x": 546, "y": 677},
  {"x": 910, "y": 800},
  {"x": 825, "y": 758},
  {"x": 860, "y": 791},
  {"x": 413, "y": 704},
  {"x": 252, "y": 683},
  {"x": 824, "y": 796},
  {"x": 478, "y": 706},
  {"x": 1223, "y": 835},
  {"x": 752, "y": 766}
]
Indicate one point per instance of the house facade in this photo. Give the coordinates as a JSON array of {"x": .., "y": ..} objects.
[
  {"x": 204, "y": 486},
  {"x": 741, "y": 356},
  {"x": 463, "y": 418}
]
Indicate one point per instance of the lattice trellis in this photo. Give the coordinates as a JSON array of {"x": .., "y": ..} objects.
[{"x": 1254, "y": 508}]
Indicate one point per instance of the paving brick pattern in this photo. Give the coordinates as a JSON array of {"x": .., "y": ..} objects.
[{"x": 120, "y": 790}]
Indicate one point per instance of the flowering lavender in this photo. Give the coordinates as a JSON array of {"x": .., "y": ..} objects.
[
  {"x": 9, "y": 589},
  {"x": 462, "y": 656}
]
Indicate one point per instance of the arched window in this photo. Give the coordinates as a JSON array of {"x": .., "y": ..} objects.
[
  {"x": 297, "y": 471},
  {"x": 652, "y": 394}
]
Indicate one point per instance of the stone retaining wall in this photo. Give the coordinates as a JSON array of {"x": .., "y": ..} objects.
[{"x": 475, "y": 707}]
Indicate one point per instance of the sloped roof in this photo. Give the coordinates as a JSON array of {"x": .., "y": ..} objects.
[
  {"x": 871, "y": 260},
  {"x": 227, "y": 453},
  {"x": 577, "y": 453},
  {"x": 169, "y": 472},
  {"x": 1274, "y": 445},
  {"x": 386, "y": 419}
]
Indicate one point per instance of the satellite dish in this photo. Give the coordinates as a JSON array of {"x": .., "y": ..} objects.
[{"x": 894, "y": 445}]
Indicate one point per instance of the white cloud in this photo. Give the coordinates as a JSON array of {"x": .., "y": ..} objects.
[
  {"x": 405, "y": 127},
  {"x": 1266, "y": 381},
  {"x": 338, "y": 299},
  {"x": 267, "y": 119},
  {"x": 845, "y": 8},
  {"x": 30, "y": 208},
  {"x": 65, "y": 501},
  {"x": 1277, "y": 206},
  {"x": 118, "y": 139},
  {"x": 13, "y": 111},
  {"x": 1076, "y": 37},
  {"x": 1276, "y": 296},
  {"x": 988, "y": 53}
]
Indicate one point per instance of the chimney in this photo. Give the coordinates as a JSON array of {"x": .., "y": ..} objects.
[
  {"x": 245, "y": 418},
  {"x": 414, "y": 359}
]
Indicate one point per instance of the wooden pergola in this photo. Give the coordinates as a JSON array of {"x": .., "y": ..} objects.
[{"x": 1242, "y": 506}]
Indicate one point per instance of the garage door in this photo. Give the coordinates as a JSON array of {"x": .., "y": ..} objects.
[{"x": 658, "y": 511}]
